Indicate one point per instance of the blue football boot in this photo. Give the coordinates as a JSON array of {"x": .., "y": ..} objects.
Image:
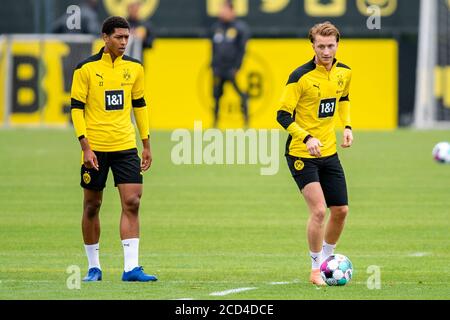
[
  {"x": 137, "y": 274},
  {"x": 94, "y": 274}
]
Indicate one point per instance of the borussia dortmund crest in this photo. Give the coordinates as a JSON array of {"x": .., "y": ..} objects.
[
  {"x": 385, "y": 7},
  {"x": 231, "y": 33},
  {"x": 340, "y": 81},
  {"x": 86, "y": 177},
  {"x": 119, "y": 7},
  {"x": 298, "y": 165},
  {"x": 126, "y": 74}
]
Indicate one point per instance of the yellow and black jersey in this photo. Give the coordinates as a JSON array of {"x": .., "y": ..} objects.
[
  {"x": 309, "y": 104},
  {"x": 103, "y": 94}
]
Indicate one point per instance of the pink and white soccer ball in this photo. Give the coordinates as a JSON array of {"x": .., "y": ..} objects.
[
  {"x": 441, "y": 152},
  {"x": 336, "y": 270}
]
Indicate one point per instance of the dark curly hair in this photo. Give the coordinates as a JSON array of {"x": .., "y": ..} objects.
[{"x": 114, "y": 22}]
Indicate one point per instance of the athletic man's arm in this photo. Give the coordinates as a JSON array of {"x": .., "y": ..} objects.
[
  {"x": 344, "y": 114},
  {"x": 244, "y": 35},
  {"x": 78, "y": 101},
  {"x": 285, "y": 116},
  {"x": 289, "y": 100},
  {"x": 141, "y": 115}
]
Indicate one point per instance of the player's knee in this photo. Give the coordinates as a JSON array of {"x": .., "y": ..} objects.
[
  {"x": 318, "y": 214},
  {"x": 92, "y": 207},
  {"x": 131, "y": 204},
  {"x": 340, "y": 213}
]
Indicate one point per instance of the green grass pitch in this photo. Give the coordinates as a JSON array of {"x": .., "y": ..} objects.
[{"x": 207, "y": 229}]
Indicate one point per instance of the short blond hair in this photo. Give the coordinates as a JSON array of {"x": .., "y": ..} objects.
[{"x": 324, "y": 29}]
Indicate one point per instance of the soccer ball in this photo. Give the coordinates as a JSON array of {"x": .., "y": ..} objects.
[
  {"x": 441, "y": 152},
  {"x": 336, "y": 270}
]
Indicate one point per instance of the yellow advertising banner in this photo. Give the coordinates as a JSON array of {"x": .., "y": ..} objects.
[
  {"x": 442, "y": 84},
  {"x": 179, "y": 82},
  {"x": 3, "y": 74},
  {"x": 180, "y": 87},
  {"x": 24, "y": 89}
]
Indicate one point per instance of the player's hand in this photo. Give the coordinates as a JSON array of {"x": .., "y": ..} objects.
[
  {"x": 90, "y": 160},
  {"x": 146, "y": 159},
  {"x": 348, "y": 138},
  {"x": 313, "y": 145}
]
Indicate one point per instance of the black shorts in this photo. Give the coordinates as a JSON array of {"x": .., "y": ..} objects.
[
  {"x": 327, "y": 171},
  {"x": 125, "y": 166}
]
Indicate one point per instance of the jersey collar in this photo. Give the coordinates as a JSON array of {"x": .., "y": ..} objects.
[
  {"x": 106, "y": 57},
  {"x": 321, "y": 68}
]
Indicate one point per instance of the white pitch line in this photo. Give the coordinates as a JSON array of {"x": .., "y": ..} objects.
[
  {"x": 280, "y": 282},
  {"x": 419, "y": 254},
  {"x": 29, "y": 281},
  {"x": 226, "y": 292}
]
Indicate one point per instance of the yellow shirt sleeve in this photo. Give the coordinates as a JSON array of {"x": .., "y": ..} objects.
[
  {"x": 290, "y": 97},
  {"x": 344, "y": 104},
  {"x": 141, "y": 116},
  {"x": 78, "y": 122},
  {"x": 289, "y": 100},
  {"x": 344, "y": 113},
  {"x": 80, "y": 87},
  {"x": 139, "y": 105},
  {"x": 137, "y": 91}
]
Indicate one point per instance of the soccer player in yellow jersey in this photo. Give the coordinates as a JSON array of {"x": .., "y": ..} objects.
[
  {"x": 105, "y": 88},
  {"x": 315, "y": 94}
]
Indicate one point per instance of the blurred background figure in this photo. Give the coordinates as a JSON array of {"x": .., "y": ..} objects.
[
  {"x": 142, "y": 32},
  {"x": 89, "y": 20},
  {"x": 229, "y": 38}
]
